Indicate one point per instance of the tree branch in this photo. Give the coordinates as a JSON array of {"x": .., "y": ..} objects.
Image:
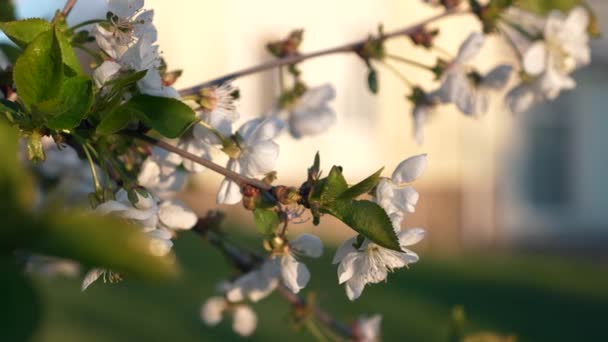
[
  {"x": 68, "y": 7},
  {"x": 236, "y": 177},
  {"x": 245, "y": 261},
  {"x": 350, "y": 47}
]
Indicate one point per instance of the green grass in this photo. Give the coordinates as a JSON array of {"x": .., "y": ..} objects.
[{"x": 536, "y": 299}]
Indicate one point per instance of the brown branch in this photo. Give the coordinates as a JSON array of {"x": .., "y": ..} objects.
[
  {"x": 245, "y": 261},
  {"x": 68, "y": 7},
  {"x": 350, "y": 47},
  {"x": 236, "y": 177}
]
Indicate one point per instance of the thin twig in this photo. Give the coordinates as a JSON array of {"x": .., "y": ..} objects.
[
  {"x": 238, "y": 178},
  {"x": 350, "y": 47},
  {"x": 68, "y": 7}
]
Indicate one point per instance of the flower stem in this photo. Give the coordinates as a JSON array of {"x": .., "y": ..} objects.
[
  {"x": 409, "y": 62},
  {"x": 397, "y": 73},
  {"x": 98, "y": 188},
  {"x": 236, "y": 177},
  {"x": 346, "y": 48},
  {"x": 85, "y": 23}
]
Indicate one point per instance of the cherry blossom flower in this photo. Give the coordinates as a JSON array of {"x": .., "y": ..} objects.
[
  {"x": 158, "y": 222},
  {"x": 143, "y": 55},
  {"x": 394, "y": 196},
  {"x": 282, "y": 265},
  {"x": 311, "y": 114},
  {"x": 469, "y": 90},
  {"x": 126, "y": 24},
  {"x": 371, "y": 263},
  {"x": 159, "y": 174},
  {"x": 550, "y": 61},
  {"x": 244, "y": 318},
  {"x": 368, "y": 328},
  {"x": 255, "y": 155}
]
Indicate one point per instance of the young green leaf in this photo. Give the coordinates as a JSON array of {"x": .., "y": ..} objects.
[
  {"x": 168, "y": 116},
  {"x": 100, "y": 241},
  {"x": 68, "y": 54},
  {"x": 368, "y": 219},
  {"x": 266, "y": 220},
  {"x": 363, "y": 186},
  {"x": 38, "y": 73},
  {"x": 545, "y": 6},
  {"x": 331, "y": 187},
  {"x": 116, "y": 120},
  {"x": 71, "y": 105},
  {"x": 23, "y": 32},
  {"x": 372, "y": 81}
]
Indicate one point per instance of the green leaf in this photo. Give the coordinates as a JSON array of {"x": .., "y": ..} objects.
[
  {"x": 68, "y": 54},
  {"x": 7, "y": 10},
  {"x": 116, "y": 120},
  {"x": 21, "y": 307},
  {"x": 38, "y": 73},
  {"x": 127, "y": 80},
  {"x": 331, "y": 187},
  {"x": 100, "y": 241},
  {"x": 368, "y": 219},
  {"x": 170, "y": 117},
  {"x": 71, "y": 105},
  {"x": 23, "y": 32},
  {"x": 372, "y": 81},
  {"x": 9, "y": 109},
  {"x": 545, "y": 6},
  {"x": 362, "y": 187},
  {"x": 266, "y": 220}
]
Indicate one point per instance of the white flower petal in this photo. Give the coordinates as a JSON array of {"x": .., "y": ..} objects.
[
  {"x": 175, "y": 215},
  {"x": 346, "y": 269},
  {"x": 354, "y": 288},
  {"x": 308, "y": 245},
  {"x": 498, "y": 77},
  {"x": 295, "y": 274},
  {"x": 470, "y": 47},
  {"x": 260, "y": 158},
  {"x": 345, "y": 248},
  {"x": 245, "y": 320},
  {"x": 105, "y": 72},
  {"x": 91, "y": 277},
  {"x": 261, "y": 129},
  {"x": 229, "y": 191},
  {"x": 535, "y": 58},
  {"x": 368, "y": 328},
  {"x": 410, "y": 169},
  {"x": 211, "y": 311},
  {"x": 411, "y": 236}
]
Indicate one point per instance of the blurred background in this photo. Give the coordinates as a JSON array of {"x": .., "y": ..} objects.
[{"x": 514, "y": 205}]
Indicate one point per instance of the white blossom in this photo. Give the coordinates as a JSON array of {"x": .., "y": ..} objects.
[
  {"x": 468, "y": 90},
  {"x": 550, "y": 61},
  {"x": 159, "y": 174},
  {"x": 49, "y": 266},
  {"x": 244, "y": 318},
  {"x": 281, "y": 266},
  {"x": 311, "y": 114},
  {"x": 371, "y": 263},
  {"x": 294, "y": 274},
  {"x": 254, "y": 285},
  {"x": 564, "y": 47},
  {"x": 368, "y": 328},
  {"x": 143, "y": 55},
  {"x": 256, "y": 156},
  {"x": 394, "y": 195},
  {"x": 127, "y": 24}
]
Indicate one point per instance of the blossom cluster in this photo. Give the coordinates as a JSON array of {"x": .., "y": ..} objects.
[{"x": 142, "y": 181}]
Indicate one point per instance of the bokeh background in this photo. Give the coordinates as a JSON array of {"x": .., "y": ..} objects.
[{"x": 514, "y": 205}]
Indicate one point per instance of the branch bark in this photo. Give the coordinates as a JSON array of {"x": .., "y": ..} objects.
[
  {"x": 68, "y": 7},
  {"x": 236, "y": 177},
  {"x": 350, "y": 47}
]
